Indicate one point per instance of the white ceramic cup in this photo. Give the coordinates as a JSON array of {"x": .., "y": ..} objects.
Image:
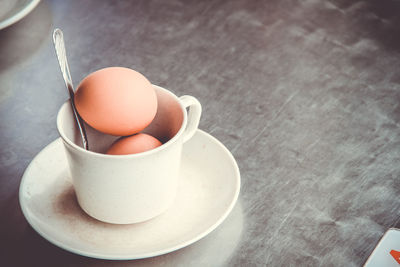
[{"x": 125, "y": 189}]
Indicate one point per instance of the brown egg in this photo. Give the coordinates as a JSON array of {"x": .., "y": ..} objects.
[
  {"x": 116, "y": 101},
  {"x": 133, "y": 144}
]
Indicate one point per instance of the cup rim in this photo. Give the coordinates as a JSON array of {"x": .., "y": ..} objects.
[{"x": 126, "y": 156}]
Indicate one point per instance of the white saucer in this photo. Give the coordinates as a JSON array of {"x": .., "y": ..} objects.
[
  {"x": 13, "y": 11},
  {"x": 209, "y": 188}
]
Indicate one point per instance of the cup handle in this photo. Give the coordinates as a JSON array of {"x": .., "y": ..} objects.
[{"x": 194, "y": 115}]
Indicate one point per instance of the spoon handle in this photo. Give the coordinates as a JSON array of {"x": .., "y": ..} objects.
[{"x": 59, "y": 46}]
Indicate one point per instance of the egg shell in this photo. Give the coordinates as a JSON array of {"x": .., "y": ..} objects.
[
  {"x": 116, "y": 100},
  {"x": 133, "y": 144}
]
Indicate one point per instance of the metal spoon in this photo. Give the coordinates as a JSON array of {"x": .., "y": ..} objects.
[{"x": 59, "y": 45}]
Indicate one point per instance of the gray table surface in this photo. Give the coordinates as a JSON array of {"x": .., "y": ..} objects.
[{"x": 305, "y": 94}]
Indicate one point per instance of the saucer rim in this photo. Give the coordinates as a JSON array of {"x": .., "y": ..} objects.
[
  {"x": 19, "y": 15},
  {"x": 131, "y": 256}
]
